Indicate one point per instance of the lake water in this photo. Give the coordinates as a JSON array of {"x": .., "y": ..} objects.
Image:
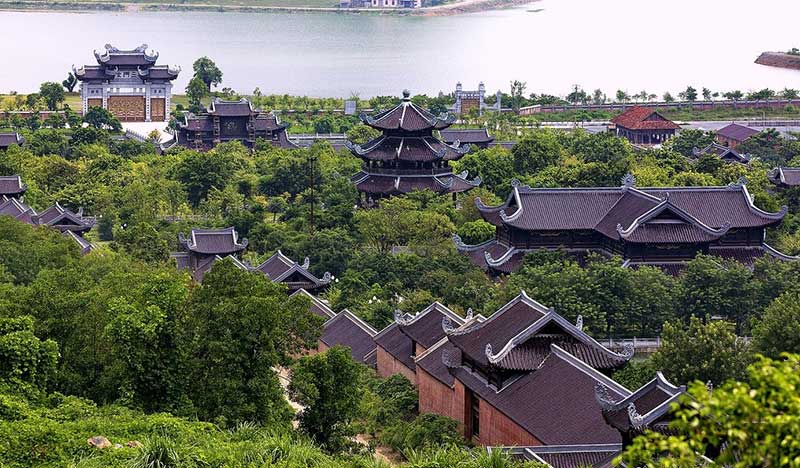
[{"x": 610, "y": 44}]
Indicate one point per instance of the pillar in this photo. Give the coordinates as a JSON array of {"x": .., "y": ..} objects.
[{"x": 147, "y": 114}]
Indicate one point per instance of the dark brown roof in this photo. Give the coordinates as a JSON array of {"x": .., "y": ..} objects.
[
  {"x": 269, "y": 122},
  {"x": 205, "y": 265},
  {"x": 514, "y": 317},
  {"x": 566, "y": 456},
  {"x": 318, "y": 307},
  {"x": 397, "y": 344},
  {"x": 241, "y": 108},
  {"x": 736, "y": 132},
  {"x": 16, "y": 209},
  {"x": 643, "y": 118},
  {"x": 213, "y": 241},
  {"x": 642, "y": 409},
  {"x": 408, "y": 117},
  {"x": 83, "y": 244},
  {"x": 425, "y": 327},
  {"x": 555, "y": 403},
  {"x": 407, "y": 148},
  {"x": 280, "y": 268},
  {"x": 445, "y": 182},
  {"x": 789, "y": 176},
  {"x": 466, "y": 135},
  {"x": 12, "y": 185},
  {"x": 198, "y": 123},
  {"x": 113, "y": 56},
  {"x": 63, "y": 219},
  {"x": 346, "y": 329},
  {"x": 431, "y": 361},
  {"x": 593, "y": 208},
  {"x": 724, "y": 153},
  {"x": 10, "y": 138}
]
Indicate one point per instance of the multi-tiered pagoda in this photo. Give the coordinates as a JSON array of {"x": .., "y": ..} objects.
[{"x": 407, "y": 156}]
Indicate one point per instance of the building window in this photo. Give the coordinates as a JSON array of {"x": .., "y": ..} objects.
[
  {"x": 413, "y": 349},
  {"x": 475, "y": 415}
]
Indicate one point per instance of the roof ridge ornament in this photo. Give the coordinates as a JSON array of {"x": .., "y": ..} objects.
[
  {"x": 306, "y": 263},
  {"x": 579, "y": 322},
  {"x": 603, "y": 397},
  {"x": 406, "y": 95},
  {"x": 399, "y": 318},
  {"x": 469, "y": 314},
  {"x": 740, "y": 182},
  {"x": 628, "y": 181},
  {"x": 515, "y": 182},
  {"x": 636, "y": 419}
]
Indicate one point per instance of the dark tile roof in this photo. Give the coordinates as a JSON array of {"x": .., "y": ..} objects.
[
  {"x": 425, "y": 327},
  {"x": 10, "y": 138},
  {"x": 269, "y": 122},
  {"x": 642, "y": 409},
  {"x": 736, "y": 132},
  {"x": 407, "y": 116},
  {"x": 198, "y": 123},
  {"x": 594, "y": 208},
  {"x": 789, "y": 176},
  {"x": 566, "y": 456},
  {"x": 213, "y": 241},
  {"x": 431, "y": 362},
  {"x": 724, "y": 153},
  {"x": 16, "y": 209},
  {"x": 498, "y": 329},
  {"x": 348, "y": 330},
  {"x": 466, "y": 135},
  {"x": 161, "y": 72},
  {"x": 83, "y": 244},
  {"x": 63, "y": 219},
  {"x": 208, "y": 263},
  {"x": 241, "y": 108},
  {"x": 555, "y": 403},
  {"x": 407, "y": 148},
  {"x": 280, "y": 268},
  {"x": 388, "y": 184},
  {"x": 92, "y": 73},
  {"x": 12, "y": 185},
  {"x": 643, "y": 118},
  {"x": 318, "y": 307}
]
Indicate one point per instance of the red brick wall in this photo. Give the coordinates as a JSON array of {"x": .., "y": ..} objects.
[
  {"x": 388, "y": 366},
  {"x": 498, "y": 429},
  {"x": 435, "y": 397}
]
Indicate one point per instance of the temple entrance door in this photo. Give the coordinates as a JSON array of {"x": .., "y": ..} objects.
[
  {"x": 127, "y": 108},
  {"x": 157, "y": 110}
]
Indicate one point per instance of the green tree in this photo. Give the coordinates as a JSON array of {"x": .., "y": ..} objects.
[
  {"x": 689, "y": 94},
  {"x": 26, "y": 362},
  {"x": 701, "y": 351},
  {"x": 100, "y": 118},
  {"x": 739, "y": 424},
  {"x": 778, "y": 330},
  {"x": 622, "y": 96},
  {"x": 517, "y": 92},
  {"x": 196, "y": 91},
  {"x": 689, "y": 140},
  {"x": 327, "y": 385},
  {"x": 199, "y": 172},
  {"x": 48, "y": 141},
  {"x": 52, "y": 93},
  {"x": 142, "y": 241},
  {"x": 207, "y": 71},
  {"x": 733, "y": 95},
  {"x": 238, "y": 327},
  {"x": 536, "y": 151}
]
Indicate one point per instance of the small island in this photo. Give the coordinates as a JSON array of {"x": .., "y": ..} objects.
[{"x": 790, "y": 59}]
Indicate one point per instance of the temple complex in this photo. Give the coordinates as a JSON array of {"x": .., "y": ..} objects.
[
  {"x": 64, "y": 220},
  {"x": 203, "y": 247},
  {"x": 643, "y": 126},
  {"x": 407, "y": 157},
  {"x": 128, "y": 83},
  {"x": 664, "y": 227},
  {"x": 281, "y": 269},
  {"x": 469, "y": 100},
  {"x": 228, "y": 121},
  {"x": 524, "y": 376}
]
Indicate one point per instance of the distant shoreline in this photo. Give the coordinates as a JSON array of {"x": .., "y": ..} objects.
[{"x": 447, "y": 9}]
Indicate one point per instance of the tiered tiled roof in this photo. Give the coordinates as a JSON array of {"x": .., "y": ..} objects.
[
  {"x": 12, "y": 186},
  {"x": 736, "y": 132},
  {"x": 548, "y": 369},
  {"x": 646, "y": 408},
  {"x": 222, "y": 108},
  {"x": 399, "y": 338},
  {"x": 212, "y": 241},
  {"x": 627, "y": 214},
  {"x": 643, "y": 118},
  {"x": 346, "y": 329},
  {"x": 281, "y": 269},
  {"x": 786, "y": 176},
  {"x": 407, "y": 157},
  {"x": 478, "y": 136}
]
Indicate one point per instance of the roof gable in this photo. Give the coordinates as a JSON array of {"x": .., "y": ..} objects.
[
  {"x": 643, "y": 118},
  {"x": 318, "y": 306},
  {"x": 736, "y": 132}
]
